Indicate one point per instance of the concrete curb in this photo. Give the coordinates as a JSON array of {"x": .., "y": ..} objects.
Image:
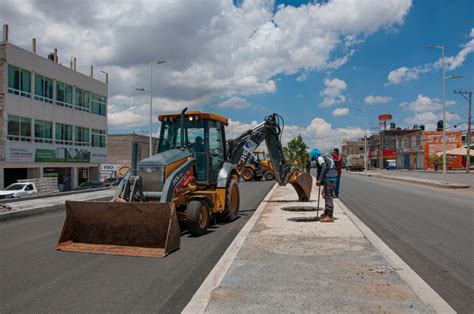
[
  {"x": 414, "y": 281},
  {"x": 416, "y": 181},
  {"x": 40, "y": 210},
  {"x": 201, "y": 298}
]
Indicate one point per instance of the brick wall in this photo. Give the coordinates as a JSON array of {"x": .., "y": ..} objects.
[{"x": 119, "y": 147}]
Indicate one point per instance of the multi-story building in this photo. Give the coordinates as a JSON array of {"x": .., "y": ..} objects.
[
  {"x": 53, "y": 119},
  {"x": 410, "y": 150}
]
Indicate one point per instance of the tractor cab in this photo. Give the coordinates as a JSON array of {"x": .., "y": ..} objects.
[{"x": 203, "y": 135}]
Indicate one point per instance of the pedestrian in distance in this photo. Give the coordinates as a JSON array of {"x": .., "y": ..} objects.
[
  {"x": 338, "y": 161},
  {"x": 326, "y": 176},
  {"x": 436, "y": 165}
]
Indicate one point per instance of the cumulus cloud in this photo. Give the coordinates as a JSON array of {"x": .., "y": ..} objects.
[
  {"x": 340, "y": 112},
  {"x": 425, "y": 103},
  {"x": 332, "y": 93},
  {"x": 405, "y": 74},
  {"x": 427, "y": 111},
  {"x": 374, "y": 100},
  {"x": 212, "y": 48},
  {"x": 235, "y": 103},
  {"x": 319, "y": 133}
]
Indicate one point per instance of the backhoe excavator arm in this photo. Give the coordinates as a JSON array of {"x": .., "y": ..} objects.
[{"x": 270, "y": 131}]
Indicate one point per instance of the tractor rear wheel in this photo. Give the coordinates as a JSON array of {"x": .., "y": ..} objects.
[
  {"x": 232, "y": 200},
  {"x": 197, "y": 217},
  {"x": 269, "y": 176},
  {"x": 248, "y": 174}
]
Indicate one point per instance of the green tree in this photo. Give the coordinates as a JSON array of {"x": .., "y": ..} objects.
[{"x": 296, "y": 151}]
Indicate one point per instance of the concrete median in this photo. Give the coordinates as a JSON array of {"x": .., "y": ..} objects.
[{"x": 301, "y": 265}]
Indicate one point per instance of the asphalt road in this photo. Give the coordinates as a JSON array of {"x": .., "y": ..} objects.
[
  {"x": 34, "y": 277},
  {"x": 431, "y": 229}
]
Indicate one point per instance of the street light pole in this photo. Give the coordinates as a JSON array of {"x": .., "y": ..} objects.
[
  {"x": 443, "y": 79},
  {"x": 468, "y": 137}
]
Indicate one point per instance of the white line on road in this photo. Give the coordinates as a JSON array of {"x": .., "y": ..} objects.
[
  {"x": 416, "y": 283},
  {"x": 201, "y": 298}
]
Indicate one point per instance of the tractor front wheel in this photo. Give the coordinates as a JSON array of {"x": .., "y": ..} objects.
[
  {"x": 197, "y": 217},
  {"x": 248, "y": 174},
  {"x": 232, "y": 200}
]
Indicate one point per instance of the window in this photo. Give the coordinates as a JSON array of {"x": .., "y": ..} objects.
[
  {"x": 63, "y": 95},
  {"x": 97, "y": 138},
  {"x": 83, "y": 100},
  {"x": 99, "y": 104},
  {"x": 43, "y": 88},
  {"x": 63, "y": 134},
  {"x": 216, "y": 148},
  {"x": 43, "y": 131},
  {"x": 19, "y": 81},
  {"x": 81, "y": 136},
  {"x": 19, "y": 129}
]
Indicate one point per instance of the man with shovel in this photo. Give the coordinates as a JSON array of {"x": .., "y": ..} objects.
[{"x": 327, "y": 176}]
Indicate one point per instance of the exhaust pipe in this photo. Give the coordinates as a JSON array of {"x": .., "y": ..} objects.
[{"x": 182, "y": 126}]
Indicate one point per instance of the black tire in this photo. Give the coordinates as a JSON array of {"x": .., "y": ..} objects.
[
  {"x": 269, "y": 175},
  {"x": 248, "y": 174},
  {"x": 197, "y": 217},
  {"x": 232, "y": 200}
]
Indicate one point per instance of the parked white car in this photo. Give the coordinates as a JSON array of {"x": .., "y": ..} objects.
[{"x": 18, "y": 190}]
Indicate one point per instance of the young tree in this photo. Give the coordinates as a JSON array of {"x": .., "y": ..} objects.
[{"x": 296, "y": 151}]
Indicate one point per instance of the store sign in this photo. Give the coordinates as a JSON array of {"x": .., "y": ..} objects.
[
  {"x": 19, "y": 153},
  {"x": 433, "y": 142},
  {"x": 113, "y": 171},
  {"x": 97, "y": 156},
  {"x": 385, "y": 117},
  {"x": 62, "y": 155}
]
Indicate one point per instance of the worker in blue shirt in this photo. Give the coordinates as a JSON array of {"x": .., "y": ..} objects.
[{"x": 326, "y": 176}]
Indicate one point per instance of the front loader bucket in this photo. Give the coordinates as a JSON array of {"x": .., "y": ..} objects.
[
  {"x": 133, "y": 229},
  {"x": 302, "y": 182}
]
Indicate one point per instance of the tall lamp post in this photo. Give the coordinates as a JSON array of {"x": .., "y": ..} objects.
[
  {"x": 443, "y": 79},
  {"x": 150, "y": 148}
]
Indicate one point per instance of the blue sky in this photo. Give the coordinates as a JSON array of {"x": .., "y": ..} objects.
[
  {"x": 315, "y": 63},
  {"x": 367, "y": 70}
]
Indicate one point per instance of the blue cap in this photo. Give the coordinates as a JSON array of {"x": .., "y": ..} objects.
[{"x": 314, "y": 154}]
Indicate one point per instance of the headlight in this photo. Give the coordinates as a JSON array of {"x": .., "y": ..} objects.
[{"x": 9, "y": 196}]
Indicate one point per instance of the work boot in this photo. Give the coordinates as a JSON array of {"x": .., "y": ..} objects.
[
  {"x": 323, "y": 215},
  {"x": 326, "y": 219}
]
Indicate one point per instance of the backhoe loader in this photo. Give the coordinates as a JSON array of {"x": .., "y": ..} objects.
[
  {"x": 193, "y": 180},
  {"x": 258, "y": 167}
]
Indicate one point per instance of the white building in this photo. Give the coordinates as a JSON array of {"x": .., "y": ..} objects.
[{"x": 53, "y": 119}]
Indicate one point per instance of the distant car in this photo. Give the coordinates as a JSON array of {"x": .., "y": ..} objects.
[
  {"x": 18, "y": 190},
  {"x": 90, "y": 185},
  {"x": 113, "y": 181}
]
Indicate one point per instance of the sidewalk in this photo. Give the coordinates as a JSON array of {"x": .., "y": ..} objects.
[
  {"x": 286, "y": 266},
  {"x": 37, "y": 206},
  {"x": 456, "y": 180}
]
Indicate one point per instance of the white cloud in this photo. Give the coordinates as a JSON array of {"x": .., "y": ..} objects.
[
  {"x": 425, "y": 103},
  {"x": 212, "y": 47},
  {"x": 458, "y": 60},
  {"x": 373, "y": 100},
  {"x": 332, "y": 93},
  {"x": 235, "y": 103},
  {"x": 405, "y": 74},
  {"x": 428, "y": 112},
  {"x": 340, "y": 112},
  {"x": 319, "y": 133}
]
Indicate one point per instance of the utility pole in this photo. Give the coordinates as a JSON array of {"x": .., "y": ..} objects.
[{"x": 468, "y": 138}]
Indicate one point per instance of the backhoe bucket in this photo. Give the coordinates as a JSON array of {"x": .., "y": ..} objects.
[
  {"x": 302, "y": 182},
  {"x": 132, "y": 229}
]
